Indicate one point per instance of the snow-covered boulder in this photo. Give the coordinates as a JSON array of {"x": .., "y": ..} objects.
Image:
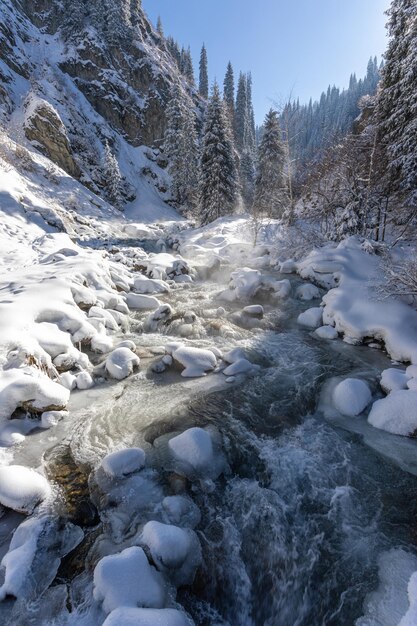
[
  {"x": 411, "y": 371},
  {"x": 312, "y": 318},
  {"x": 326, "y": 332},
  {"x": 127, "y": 580},
  {"x": 281, "y": 288},
  {"x": 240, "y": 366},
  {"x": 147, "y": 617},
  {"x": 393, "y": 379},
  {"x": 410, "y": 618},
  {"x": 120, "y": 463},
  {"x": 195, "y": 361},
  {"x": 180, "y": 511},
  {"x": 142, "y": 302},
  {"x": 50, "y": 419},
  {"x": 84, "y": 380},
  {"x": 245, "y": 283},
  {"x": 351, "y": 396},
  {"x": 101, "y": 343},
  {"x": 307, "y": 292},
  {"x": 197, "y": 453},
  {"x": 412, "y": 384},
  {"x": 145, "y": 285},
  {"x": 121, "y": 363},
  {"x": 30, "y": 389},
  {"x": 21, "y": 488},
  {"x": 175, "y": 551},
  {"x": 254, "y": 310},
  {"x": 397, "y": 413},
  {"x": 288, "y": 267},
  {"x": 34, "y": 555}
]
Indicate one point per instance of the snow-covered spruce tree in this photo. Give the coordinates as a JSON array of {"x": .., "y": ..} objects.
[
  {"x": 229, "y": 91},
  {"x": 135, "y": 12},
  {"x": 247, "y": 178},
  {"x": 116, "y": 15},
  {"x": 397, "y": 98},
  {"x": 75, "y": 17},
  {"x": 203, "y": 78},
  {"x": 186, "y": 64},
  {"x": 113, "y": 178},
  {"x": 181, "y": 149},
  {"x": 271, "y": 194},
  {"x": 159, "y": 27},
  {"x": 218, "y": 177}
]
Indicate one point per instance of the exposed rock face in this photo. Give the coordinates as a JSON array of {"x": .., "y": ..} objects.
[
  {"x": 103, "y": 74},
  {"x": 44, "y": 127}
]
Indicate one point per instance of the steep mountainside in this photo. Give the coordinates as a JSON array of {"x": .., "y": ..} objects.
[{"x": 76, "y": 75}]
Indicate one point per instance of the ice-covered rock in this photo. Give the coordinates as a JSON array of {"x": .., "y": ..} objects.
[
  {"x": 254, "y": 310},
  {"x": 147, "y": 617},
  {"x": 158, "y": 318},
  {"x": 142, "y": 302},
  {"x": 326, "y": 332},
  {"x": 68, "y": 380},
  {"x": 240, "y": 366},
  {"x": 307, "y": 292},
  {"x": 127, "y": 580},
  {"x": 312, "y": 318},
  {"x": 30, "y": 389},
  {"x": 393, "y": 379},
  {"x": 197, "y": 453},
  {"x": 175, "y": 551},
  {"x": 21, "y": 488},
  {"x": 351, "y": 396},
  {"x": 180, "y": 511},
  {"x": 234, "y": 355},
  {"x": 121, "y": 363},
  {"x": 411, "y": 371},
  {"x": 120, "y": 463},
  {"x": 34, "y": 555},
  {"x": 145, "y": 285},
  {"x": 195, "y": 361},
  {"x": 397, "y": 413},
  {"x": 49, "y": 419},
  {"x": 288, "y": 267},
  {"x": 84, "y": 380},
  {"x": 410, "y": 618}
]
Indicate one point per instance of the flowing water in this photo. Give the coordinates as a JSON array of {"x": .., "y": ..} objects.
[{"x": 294, "y": 530}]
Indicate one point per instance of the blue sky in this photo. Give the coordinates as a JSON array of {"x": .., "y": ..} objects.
[{"x": 290, "y": 46}]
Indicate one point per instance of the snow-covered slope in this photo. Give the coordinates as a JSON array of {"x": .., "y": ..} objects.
[{"x": 67, "y": 91}]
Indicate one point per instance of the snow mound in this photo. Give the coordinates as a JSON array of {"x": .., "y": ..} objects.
[
  {"x": 197, "y": 453},
  {"x": 34, "y": 555},
  {"x": 123, "y": 462},
  {"x": 397, "y": 413},
  {"x": 288, "y": 267},
  {"x": 326, "y": 332},
  {"x": 145, "y": 285},
  {"x": 142, "y": 302},
  {"x": 312, "y": 318},
  {"x": 180, "y": 511},
  {"x": 147, "y": 617},
  {"x": 240, "y": 366},
  {"x": 30, "y": 389},
  {"x": 254, "y": 310},
  {"x": 393, "y": 379},
  {"x": 410, "y": 618},
  {"x": 175, "y": 551},
  {"x": 21, "y": 488},
  {"x": 127, "y": 580},
  {"x": 307, "y": 292},
  {"x": 351, "y": 396},
  {"x": 196, "y": 361},
  {"x": 121, "y": 363},
  {"x": 389, "y": 602}
]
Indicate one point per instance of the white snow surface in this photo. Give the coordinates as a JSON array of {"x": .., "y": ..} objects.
[
  {"x": 175, "y": 551},
  {"x": 147, "y": 617},
  {"x": 352, "y": 304},
  {"x": 120, "y": 463},
  {"x": 397, "y": 413},
  {"x": 393, "y": 379},
  {"x": 21, "y": 488},
  {"x": 312, "y": 318},
  {"x": 127, "y": 580},
  {"x": 351, "y": 396}
]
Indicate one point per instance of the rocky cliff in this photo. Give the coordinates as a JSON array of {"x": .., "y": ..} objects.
[{"x": 76, "y": 74}]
